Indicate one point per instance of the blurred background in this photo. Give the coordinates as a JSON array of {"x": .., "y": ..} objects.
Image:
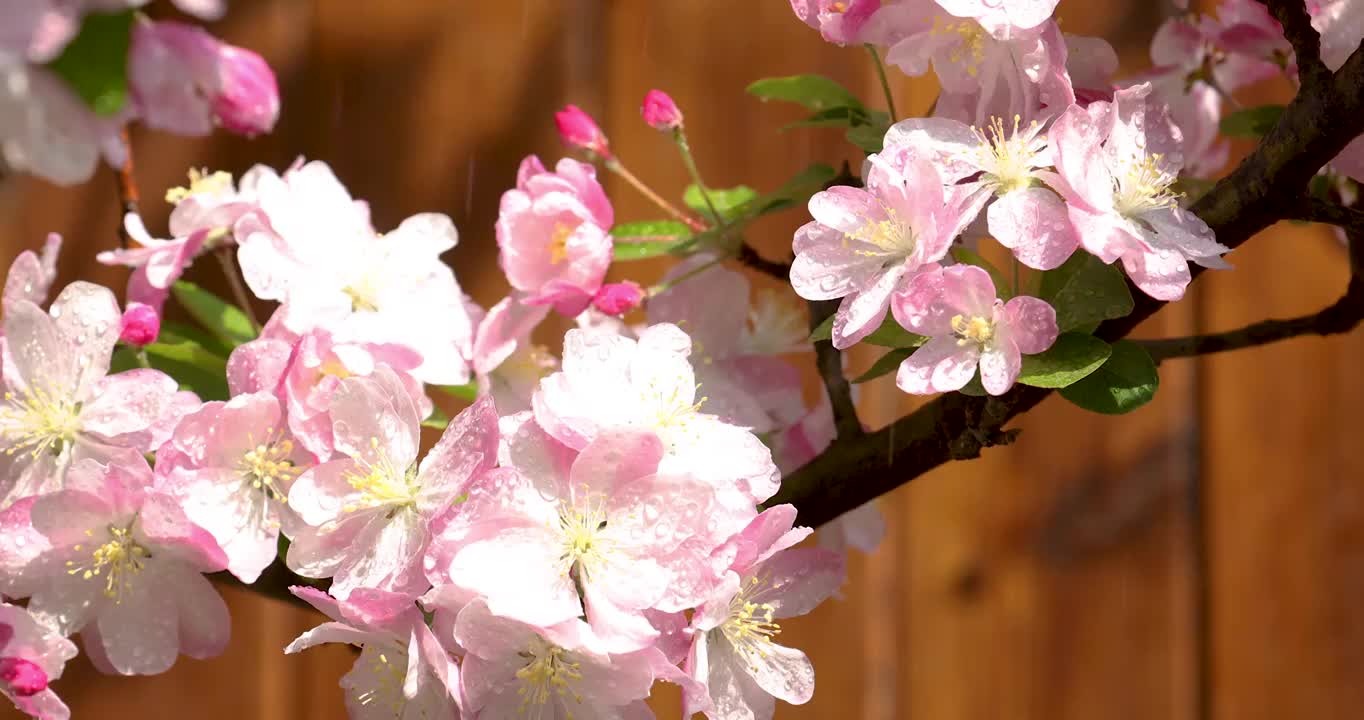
[{"x": 1200, "y": 558}]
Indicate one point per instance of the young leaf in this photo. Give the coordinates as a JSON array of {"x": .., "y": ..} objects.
[
  {"x": 797, "y": 190},
  {"x": 974, "y": 388},
  {"x": 1126, "y": 382},
  {"x": 192, "y": 365},
  {"x": 1251, "y": 122},
  {"x": 95, "y": 64},
  {"x": 815, "y": 92},
  {"x": 437, "y": 419},
  {"x": 844, "y": 117},
  {"x": 224, "y": 320},
  {"x": 729, "y": 202},
  {"x": 823, "y": 331},
  {"x": 888, "y": 363},
  {"x": 967, "y": 256},
  {"x": 1085, "y": 290},
  {"x": 467, "y": 392},
  {"x": 651, "y": 230},
  {"x": 870, "y": 138},
  {"x": 1073, "y": 357},
  {"x": 625, "y": 251}
]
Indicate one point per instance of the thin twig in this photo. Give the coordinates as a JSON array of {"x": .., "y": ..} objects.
[
  {"x": 620, "y": 170},
  {"x": 750, "y": 257},
  {"x": 228, "y": 263},
  {"x": 885, "y": 84},
  {"x": 685, "y": 148},
  {"x": 127, "y": 189},
  {"x": 1348, "y": 219},
  {"x": 830, "y": 362}
]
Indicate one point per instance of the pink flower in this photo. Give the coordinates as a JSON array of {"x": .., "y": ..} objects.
[
  {"x": 312, "y": 248},
  {"x": 508, "y": 366},
  {"x": 987, "y": 66},
  {"x": 969, "y": 326},
  {"x": 863, "y": 243},
  {"x": 367, "y": 515},
  {"x": 186, "y": 81},
  {"x": 31, "y": 657},
  {"x": 741, "y": 670},
  {"x": 1341, "y": 25},
  {"x": 30, "y": 276},
  {"x": 552, "y": 234},
  {"x": 618, "y": 298},
  {"x": 47, "y": 130},
  {"x": 1115, "y": 163},
  {"x": 140, "y": 325},
  {"x": 1091, "y": 63},
  {"x": 577, "y": 129},
  {"x": 660, "y": 112},
  {"x": 603, "y": 533},
  {"x": 515, "y": 670},
  {"x": 609, "y": 382},
  {"x": 316, "y": 368},
  {"x": 1000, "y": 169},
  {"x": 124, "y": 567},
  {"x": 402, "y": 671},
  {"x": 231, "y": 465},
  {"x": 838, "y": 21},
  {"x": 59, "y": 406}
]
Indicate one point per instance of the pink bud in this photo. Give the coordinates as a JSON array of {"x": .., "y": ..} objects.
[
  {"x": 618, "y": 298},
  {"x": 23, "y": 677},
  {"x": 248, "y": 98},
  {"x": 660, "y": 112},
  {"x": 141, "y": 325},
  {"x": 578, "y": 129}
]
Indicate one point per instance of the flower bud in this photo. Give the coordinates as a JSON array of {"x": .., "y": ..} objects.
[
  {"x": 578, "y": 129},
  {"x": 660, "y": 112},
  {"x": 618, "y": 298},
  {"x": 248, "y": 99},
  {"x": 141, "y": 325},
  {"x": 22, "y": 677}
]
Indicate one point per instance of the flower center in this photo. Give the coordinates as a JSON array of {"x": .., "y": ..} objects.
[
  {"x": 976, "y": 329},
  {"x": 1141, "y": 185},
  {"x": 382, "y": 483},
  {"x": 39, "y": 421},
  {"x": 1009, "y": 160},
  {"x": 890, "y": 235},
  {"x": 558, "y": 242},
  {"x": 267, "y": 467},
  {"x": 548, "y": 673},
  {"x": 362, "y": 296},
  {"x": 749, "y": 627},
  {"x": 389, "y": 673},
  {"x": 118, "y": 561},
  {"x": 969, "y": 51},
  {"x": 201, "y": 182},
  {"x": 584, "y": 544}
]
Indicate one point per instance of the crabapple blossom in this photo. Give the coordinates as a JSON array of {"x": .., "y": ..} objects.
[
  {"x": 140, "y": 325},
  {"x": 231, "y": 465},
  {"x": 998, "y": 168},
  {"x": 31, "y": 275},
  {"x": 610, "y": 382},
  {"x": 1091, "y": 63},
  {"x": 122, "y": 565},
  {"x": 968, "y": 324},
  {"x": 618, "y": 298},
  {"x": 47, "y": 130},
  {"x": 602, "y": 533},
  {"x": 60, "y": 406},
  {"x": 402, "y": 671},
  {"x": 733, "y": 656},
  {"x": 552, "y": 234},
  {"x": 838, "y": 21},
  {"x": 31, "y": 657},
  {"x": 660, "y": 112},
  {"x": 312, "y": 247},
  {"x": 863, "y": 242},
  {"x": 367, "y": 513},
  {"x": 577, "y": 129},
  {"x": 507, "y": 365},
  {"x": 514, "y": 670},
  {"x": 1115, "y": 164},
  {"x": 187, "y": 82}
]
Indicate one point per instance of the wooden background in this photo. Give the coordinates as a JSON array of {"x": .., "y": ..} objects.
[{"x": 1201, "y": 558}]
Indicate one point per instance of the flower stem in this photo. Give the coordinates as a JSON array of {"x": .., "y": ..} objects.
[
  {"x": 687, "y": 159},
  {"x": 142, "y": 360},
  {"x": 615, "y": 166},
  {"x": 885, "y": 84},
  {"x": 234, "y": 281}
]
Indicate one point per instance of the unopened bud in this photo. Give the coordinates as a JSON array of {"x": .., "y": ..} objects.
[
  {"x": 141, "y": 325},
  {"x": 618, "y": 298},
  {"x": 660, "y": 112},
  {"x": 578, "y": 129}
]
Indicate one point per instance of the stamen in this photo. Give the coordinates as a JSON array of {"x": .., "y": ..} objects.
[
  {"x": 118, "y": 561},
  {"x": 382, "y": 483},
  {"x": 549, "y": 673},
  {"x": 974, "y": 330},
  {"x": 39, "y": 420}
]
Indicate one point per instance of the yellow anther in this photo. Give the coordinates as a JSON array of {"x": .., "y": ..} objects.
[
  {"x": 118, "y": 561},
  {"x": 973, "y": 330}
]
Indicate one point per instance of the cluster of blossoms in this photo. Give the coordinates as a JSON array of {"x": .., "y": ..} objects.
[
  {"x": 58, "y": 118},
  {"x": 591, "y": 523}
]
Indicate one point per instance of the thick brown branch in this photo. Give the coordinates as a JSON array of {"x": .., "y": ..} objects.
[
  {"x": 750, "y": 257},
  {"x": 1297, "y": 28},
  {"x": 1348, "y": 219},
  {"x": 1327, "y": 113}
]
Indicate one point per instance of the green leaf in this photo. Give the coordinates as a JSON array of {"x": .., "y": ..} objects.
[
  {"x": 198, "y": 335},
  {"x": 867, "y": 137},
  {"x": 1085, "y": 290},
  {"x": 224, "y": 320},
  {"x": 467, "y": 392},
  {"x": 729, "y": 202},
  {"x": 815, "y": 92},
  {"x": 885, "y": 365},
  {"x": 192, "y": 365},
  {"x": 643, "y": 250},
  {"x": 651, "y": 230},
  {"x": 797, "y": 190},
  {"x": 1251, "y": 122},
  {"x": 95, "y": 63},
  {"x": 967, "y": 256},
  {"x": 889, "y": 334},
  {"x": 1073, "y": 357},
  {"x": 1126, "y": 382},
  {"x": 974, "y": 387},
  {"x": 844, "y": 117},
  {"x": 437, "y": 419}
]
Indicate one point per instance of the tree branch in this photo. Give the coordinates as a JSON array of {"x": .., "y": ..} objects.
[
  {"x": 750, "y": 257},
  {"x": 830, "y": 363},
  {"x": 1327, "y": 113},
  {"x": 127, "y": 189},
  {"x": 1348, "y": 219},
  {"x": 1297, "y": 28}
]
